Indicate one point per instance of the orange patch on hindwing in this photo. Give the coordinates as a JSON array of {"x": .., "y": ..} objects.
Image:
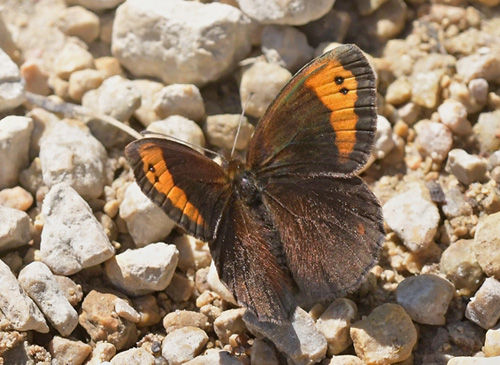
[
  {"x": 156, "y": 171},
  {"x": 336, "y": 88}
]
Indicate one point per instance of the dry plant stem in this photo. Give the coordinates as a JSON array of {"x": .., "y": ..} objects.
[{"x": 77, "y": 111}]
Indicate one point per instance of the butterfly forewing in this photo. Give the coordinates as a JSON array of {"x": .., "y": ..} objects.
[
  {"x": 192, "y": 189},
  {"x": 323, "y": 121}
]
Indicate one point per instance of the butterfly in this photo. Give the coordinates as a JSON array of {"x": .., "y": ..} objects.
[{"x": 294, "y": 219}]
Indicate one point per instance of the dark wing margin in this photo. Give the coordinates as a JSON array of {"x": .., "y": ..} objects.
[
  {"x": 331, "y": 230},
  {"x": 247, "y": 262},
  {"x": 190, "y": 188},
  {"x": 323, "y": 121}
]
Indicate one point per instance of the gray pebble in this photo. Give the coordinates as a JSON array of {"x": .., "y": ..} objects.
[
  {"x": 16, "y": 306},
  {"x": 41, "y": 285},
  {"x": 300, "y": 340},
  {"x": 286, "y": 46},
  {"x": 425, "y": 298},
  {"x": 460, "y": 265}
]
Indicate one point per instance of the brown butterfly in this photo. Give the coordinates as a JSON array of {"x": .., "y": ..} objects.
[{"x": 294, "y": 218}]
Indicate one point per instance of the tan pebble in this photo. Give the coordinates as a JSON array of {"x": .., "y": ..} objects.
[
  {"x": 399, "y": 92},
  {"x": 65, "y": 351},
  {"x": 110, "y": 66},
  {"x": 16, "y": 198},
  {"x": 102, "y": 352},
  {"x": 492, "y": 342},
  {"x": 82, "y": 81},
  {"x": 184, "y": 318},
  {"x": 79, "y": 22},
  {"x": 180, "y": 288},
  {"x": 111, "y": 208},
  {"x": 35, "y": 77},
  {"x": 73, "y": 57}
]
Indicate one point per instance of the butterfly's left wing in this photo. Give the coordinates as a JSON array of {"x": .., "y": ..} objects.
[
  {"x": 331, "y": 230},
  {"x": 190, "y": 188}
]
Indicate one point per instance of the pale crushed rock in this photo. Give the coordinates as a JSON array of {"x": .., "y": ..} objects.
[
  {"x": 66, "y": 351},
  {"x": 41, "y": 286},
  {"x": 11, "y": 86},
  {"x": 299, "y": 340},
  {"x": 15, "y": 228},
  {"x": 138, "y": 212},
  {"x": 467, "y": 168},
  {"x": 16, "y": 306},
  {"x": 72, "y": 238},
  {"x": 133, "y": 356},
  {"x": 73, "y": 57},
  {"x": 414, "y": 219},
  {"x": 228, "y": 323},
  {"x": 70, "y": 154},
  {"x": 217, "y": 286},
  {"x": 183, "y": 344},
  {"x": 15, "y": 135},
  {"x": 143, "y": 270},
  {"x": 181, "y": 128},
  {"x": 179, "y": 99},
  {"x": 221, "y": 131},
  {"x": 182, "y": 42},
  {"x": 484, "y": 308}
]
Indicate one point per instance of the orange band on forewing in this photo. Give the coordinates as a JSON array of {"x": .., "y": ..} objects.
[
  {"x": 160, "y": 177},
  {"x": 343, "y": 119}
]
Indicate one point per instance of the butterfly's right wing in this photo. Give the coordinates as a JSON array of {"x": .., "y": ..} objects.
[{"x": 190, "y": 188}]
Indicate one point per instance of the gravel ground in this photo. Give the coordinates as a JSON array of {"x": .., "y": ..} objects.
[{"x": 92, "y": 272}]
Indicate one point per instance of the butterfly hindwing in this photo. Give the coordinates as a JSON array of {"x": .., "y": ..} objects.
[
  {"x": 330, "y": 229},
  {"x": 192, "y": 189},
  {"x": 250, "y": 262},
  {"x": 322, "y": 122}
]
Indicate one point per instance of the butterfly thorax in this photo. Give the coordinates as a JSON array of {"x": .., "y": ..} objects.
[{"x": 243, "y": 182}]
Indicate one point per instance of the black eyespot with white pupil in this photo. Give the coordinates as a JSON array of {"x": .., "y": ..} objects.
[
  {"x": 344, "y": 90},
  {"x": 151, "y": 168},
  {"x": 339, "y": 80}
]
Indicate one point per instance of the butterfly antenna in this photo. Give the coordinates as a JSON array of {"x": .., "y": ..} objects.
[
  {"x": 240, "y": 123},
  {"x": 178, "y": 140}
]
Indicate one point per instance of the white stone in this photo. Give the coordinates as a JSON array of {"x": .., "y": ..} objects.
[
  {"x": 214, "y": 357},
  {"x": 286, "y": 46},
  {"x": 469, "y": 360},
  {"x": 184, "y": 42},
  {"x": 484, "y": 65},
  {"x": 414, "y": 219},
  {"x": 116, "y": 97},
  {"x": 217, "y": 286},
  {"x": 126, "y": 311},
  {"x": 133, "y": 356},
  {"x": 70, "y": 154},
  {"x": 11, "y": 86},
  {"x": 16, "y": 306},
  {"x": 180, "y": 99},
  {"x": 15, "y": 136},
  {"x": 148, "y": 89},
  {"x": 72, "y": 237},
  {"x": 79, "y": 22},
  {"x": 144, "y": 270},
  {"x": 41, "y": 286},
  {"x": 292, "y": 12},
  {"x": 466, "y": 168},
  {"x": 181, "y": 128},
  {"x": 484, "y": 308},
  {"x": 479, "y": 90},
  {"x": 433, "y": 139},
  {"x": 230, "y": 322},
  {"x": 15, "y": 228},
  {"x": 261, "y": 73},
  {"x": 335, "y": 324},
  {"x": 453, "y": 114},
  {"x": 300, "y": 340},
  {"x": 221, "y": 131},
  {"x": 183, "y": 344},
  {"x": 146, "y": 222},
  {"x": 384, "y": 141}
]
